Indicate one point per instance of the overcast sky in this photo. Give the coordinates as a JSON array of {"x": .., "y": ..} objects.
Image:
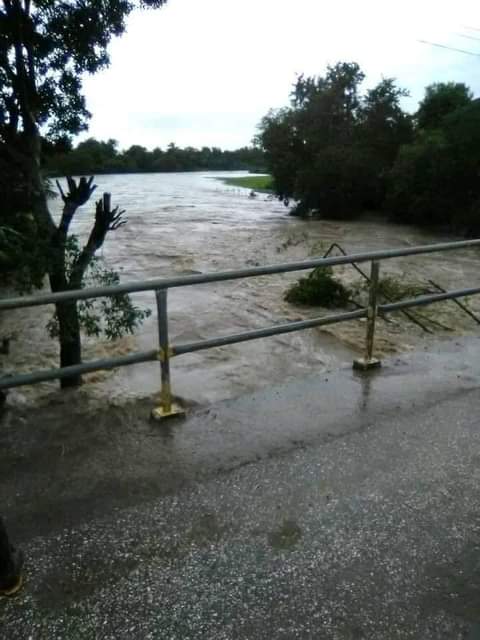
[{"x": 204, "y": 72}]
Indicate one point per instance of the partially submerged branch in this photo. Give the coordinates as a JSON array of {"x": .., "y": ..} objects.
[
  {"x": 77, "y": 195},
  {"x": 106, "y": 219}
]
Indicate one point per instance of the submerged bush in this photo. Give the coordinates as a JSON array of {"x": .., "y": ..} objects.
[
  {"x": 318, "y": 289},
  {"x": 391, "y": 288},
  {"x": 395, "y": 289}
]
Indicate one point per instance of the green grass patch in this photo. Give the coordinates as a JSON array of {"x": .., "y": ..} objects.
[
  {"x": 255, "y": 183},
  {"x": 318, "y": 289}
]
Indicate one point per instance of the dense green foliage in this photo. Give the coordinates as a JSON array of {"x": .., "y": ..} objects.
[
  {"x": 256, "y": 183},
  {"x": 337, "y": 152},
  {"x": 54, "y": 43},
  {"x": 331, "y": 150},
  {"x": 435, "y": 179},
  {"x": 318, "y": 288},
  {"x": 96, "y": 157},
  {"x": 46, "y": 48},
  {"x": 440, "y": 100}
]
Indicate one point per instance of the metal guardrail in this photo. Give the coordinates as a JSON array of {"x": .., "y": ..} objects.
[{"x": 166, "y": 351}]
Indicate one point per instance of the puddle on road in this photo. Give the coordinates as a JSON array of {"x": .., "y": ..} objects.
[
  {"x": 205, "y": 531},
  {"x": 286, "y": 537}
]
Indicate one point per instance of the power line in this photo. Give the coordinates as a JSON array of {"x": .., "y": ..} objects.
[
  {"x": 444, "y": 46},
  {"x": 462, "y": 35}
]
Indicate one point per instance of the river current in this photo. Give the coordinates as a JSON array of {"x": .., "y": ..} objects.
[{"x": 185, "y": 223}]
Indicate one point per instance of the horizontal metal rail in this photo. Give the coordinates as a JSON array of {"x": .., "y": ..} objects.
[
  {"x": 205, "y": 278},
  {"x": 8, "y": 382},
  {"x": 166, "y": 351},
  {"x": 46, "y": 375},
  {"x": 421, "y": 301},
  {"x": 289, "y": 327},
  {"x": 103, "y": 364}
]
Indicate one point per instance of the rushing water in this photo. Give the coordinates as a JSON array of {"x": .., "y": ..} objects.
[{"x": 186, "y": 223}]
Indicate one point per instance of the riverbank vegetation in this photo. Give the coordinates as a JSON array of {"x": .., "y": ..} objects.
[
  {"x": 337, "y": 152},
  {"x": 262, "y": 184},
  {"x": 94, "y": 157}
]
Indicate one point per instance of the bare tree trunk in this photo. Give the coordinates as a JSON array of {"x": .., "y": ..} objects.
[
  {"x": 51, "y": 238},
  {"x": 68, "y": 322},
  {"x": 69, "y": 330},
  {"x": 70, "y": 343}
]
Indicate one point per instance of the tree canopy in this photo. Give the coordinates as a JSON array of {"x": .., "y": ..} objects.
[
  {"x": 435, "y": 179},
  {"x": 46, "y": 47},
  {"x": 441, "y": 99},
  {"x": 96, "y": 156},
  {"x": 331, "y": 149},
  {"x": 338, "y": 152}
]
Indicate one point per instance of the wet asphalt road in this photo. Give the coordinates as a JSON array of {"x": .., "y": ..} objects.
[{"x": 340, "y": 506}]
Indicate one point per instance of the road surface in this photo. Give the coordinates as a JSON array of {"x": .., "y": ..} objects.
[{"x": 339, "y": 506}]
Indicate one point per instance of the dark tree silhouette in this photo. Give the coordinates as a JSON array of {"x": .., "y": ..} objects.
[
  {"x": 45, "y": 47},
  {"x": 332, "y": 148}
]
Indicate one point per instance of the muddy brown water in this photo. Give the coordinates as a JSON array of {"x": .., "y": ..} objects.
[{"x": 185, "y": 223}]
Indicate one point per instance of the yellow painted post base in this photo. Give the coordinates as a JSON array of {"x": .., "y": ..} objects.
[
  {"x": 159, "y": 413},
  {"x": 362, "y": 364}
]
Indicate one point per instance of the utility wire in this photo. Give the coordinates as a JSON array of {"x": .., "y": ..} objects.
[
  {"x": 444, "y": 46},
  {"x": 462, "y": 35}
]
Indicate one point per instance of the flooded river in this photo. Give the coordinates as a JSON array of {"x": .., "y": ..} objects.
[{"x": 180, "y": 224}]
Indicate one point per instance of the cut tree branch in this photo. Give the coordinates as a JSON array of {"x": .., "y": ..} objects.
[
  {"x": 76, "y": 196},
  {"x": 106, "y": 219}
]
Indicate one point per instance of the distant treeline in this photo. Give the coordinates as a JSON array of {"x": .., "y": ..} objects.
[
  {"x": 338, "y": 152},
  {"x": 97, "y": 157}
]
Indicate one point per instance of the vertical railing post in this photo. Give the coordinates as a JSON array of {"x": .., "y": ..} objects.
[
  {"x": 167, "y": 406},
  {"x": 369, "y": 362}
]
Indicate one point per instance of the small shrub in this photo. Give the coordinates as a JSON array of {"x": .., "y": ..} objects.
[
  {"x": 318, "y": 289},
  {"x": 395, "y": 290},
  {"x": 392, "y": 288}
]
